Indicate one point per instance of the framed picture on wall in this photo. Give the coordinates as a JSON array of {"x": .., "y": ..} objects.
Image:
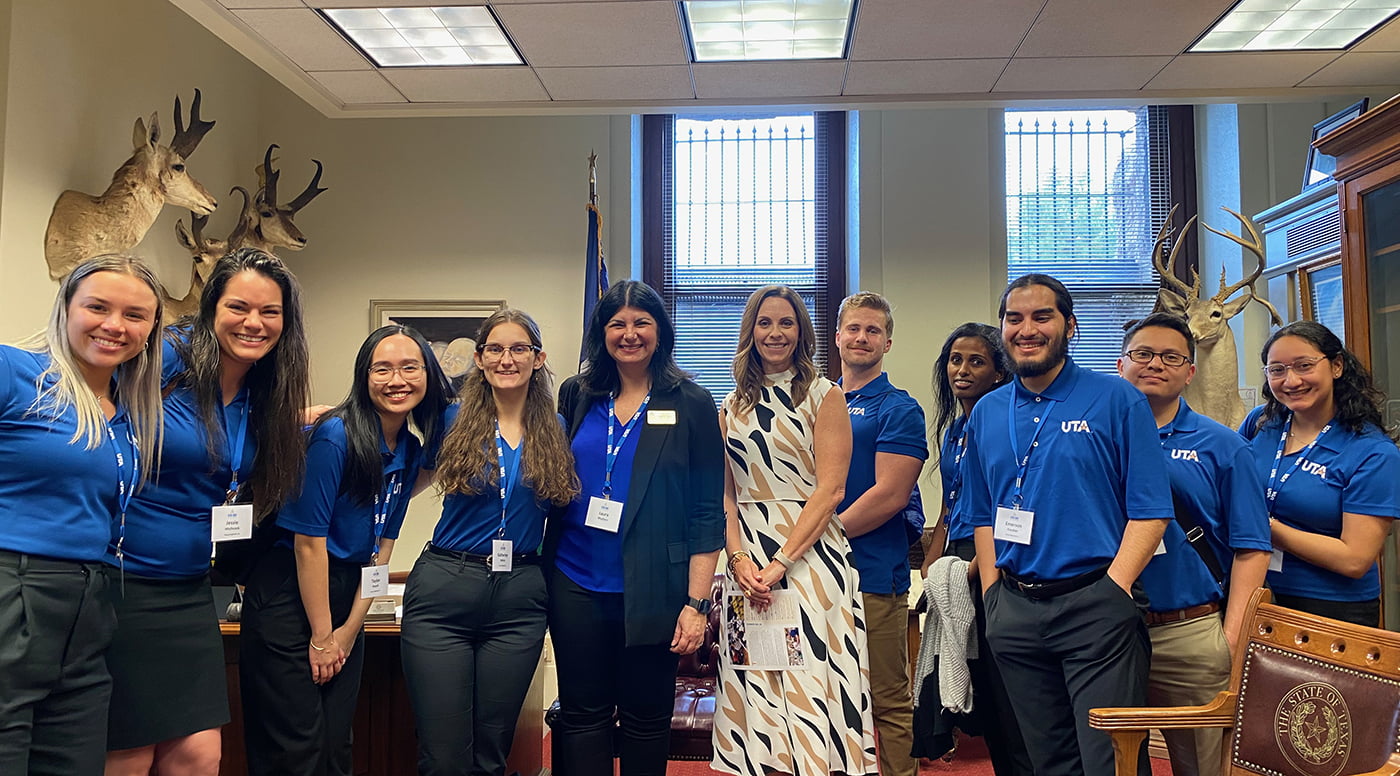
[
  {"x": 1321, "y": 166},
  {"x": 449, "y": 326}
]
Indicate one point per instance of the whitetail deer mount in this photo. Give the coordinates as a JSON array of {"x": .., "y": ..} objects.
[
  {"x": 205, "y": 252},
  {"x": 1214, "y": 392},
  {"x": 82, "y": 226},
  {"x": 263, "y": 223}
]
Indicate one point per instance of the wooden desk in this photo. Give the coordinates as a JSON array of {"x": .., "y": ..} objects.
[{"x": 385, "y": 741}]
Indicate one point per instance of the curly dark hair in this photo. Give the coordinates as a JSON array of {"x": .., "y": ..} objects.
[{"x": 1357, "y": 399}]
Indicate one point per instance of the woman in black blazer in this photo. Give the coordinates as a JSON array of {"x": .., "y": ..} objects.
[{"x": 631, "y": 560}]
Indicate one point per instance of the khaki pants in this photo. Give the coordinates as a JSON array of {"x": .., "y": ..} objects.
[
  {"x": 1190, "y": 665},
  {"x": 887, "y": 639}
]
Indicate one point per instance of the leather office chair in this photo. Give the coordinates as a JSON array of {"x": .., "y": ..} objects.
[{"x": 1308, "y": 696}]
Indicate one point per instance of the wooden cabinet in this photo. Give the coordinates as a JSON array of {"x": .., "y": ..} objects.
[{"x": 1367, "y": 150}]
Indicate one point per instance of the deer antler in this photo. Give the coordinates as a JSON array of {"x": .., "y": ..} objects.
[
  {"x": 240, "y": 234},
  {"x": 311, "y": 192},
  {"x": 1167, "y": 270},
  {"x": 1255, "y": 245},
  {"x": 186, "y": 140},
  {"x": 269, "y": 189}
]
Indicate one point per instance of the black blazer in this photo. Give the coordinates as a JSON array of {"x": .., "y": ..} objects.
[{"x": 674, "y": 507}]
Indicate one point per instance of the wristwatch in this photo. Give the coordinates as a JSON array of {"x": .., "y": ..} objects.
[{"x": 701, "y": 605}]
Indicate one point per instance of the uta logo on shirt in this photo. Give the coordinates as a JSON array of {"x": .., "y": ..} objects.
[
  {"x": 856, "y": 411},
  {"x": 1318, "y": 469},
  {"x": 1185, "y": 455},
  {"x": 1068, "y": 426}
]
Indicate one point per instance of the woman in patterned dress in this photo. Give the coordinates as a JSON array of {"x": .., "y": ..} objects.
[{"x": 789, "y": 444}]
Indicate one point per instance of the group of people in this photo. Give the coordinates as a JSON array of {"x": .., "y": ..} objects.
[{"x": 1101, "y": 553}]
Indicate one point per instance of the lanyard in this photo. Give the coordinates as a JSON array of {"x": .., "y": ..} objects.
[
  {"x": 1023, "y": 463},
  {"x": 235, "y": 448},
  {"x": 381, "y": 508},
  {"x": 614, "y": 450},
  {"x": 1271, "y": 493},
  {"x": 507, "y": 480},
  {"x": 125, "y": 488},
  {"x": 955, "y": 487}
]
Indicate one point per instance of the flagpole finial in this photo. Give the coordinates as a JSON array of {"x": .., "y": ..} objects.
[{"x": 592, "y": 177}]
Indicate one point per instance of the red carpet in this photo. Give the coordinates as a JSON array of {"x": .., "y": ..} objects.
[{"x": 970, "y": 759}]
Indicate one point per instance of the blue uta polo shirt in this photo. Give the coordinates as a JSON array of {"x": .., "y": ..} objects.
[
  {"x": 1212, "y": 474},
  {"x": 1096, "y": 464},
  {"x": 57, "y": 498},
  {"x": 470, "y": 522},
  {"x": 323, "y": 509},
  {"x": 1344, "y": 472},
  {"x": 959, "y": 529},
  {"x": 884, "y": 419}
]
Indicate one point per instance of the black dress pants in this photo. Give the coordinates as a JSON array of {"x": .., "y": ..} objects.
[
  {"x": 1061, "y": 657},
  {"x": 604, "y": 684},
  {"x": 55, "y": 624},
  {"x": 293, "y": 726},
  {"x": 1366, "y": 613}
]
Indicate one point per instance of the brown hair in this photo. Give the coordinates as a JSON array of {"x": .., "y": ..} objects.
[{"x": 748, "y": 367}]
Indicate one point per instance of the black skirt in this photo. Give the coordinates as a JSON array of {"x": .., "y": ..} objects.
[{"x": 167, "y": 661}]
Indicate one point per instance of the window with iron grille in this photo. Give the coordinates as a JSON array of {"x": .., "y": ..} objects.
[
  {"x": 1086, "y": 192},
  {"x": 733, "y": 203}
]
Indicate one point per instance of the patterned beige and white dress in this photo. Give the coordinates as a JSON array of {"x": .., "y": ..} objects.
[{"x": 815, "y": 721}]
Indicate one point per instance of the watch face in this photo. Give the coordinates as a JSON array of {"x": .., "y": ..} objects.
[{"x": 701, "y": 605}]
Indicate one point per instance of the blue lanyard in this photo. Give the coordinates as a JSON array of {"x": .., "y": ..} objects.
[
  {"x": 1023, "y": 461},
  {"x": 126, "y": 488},
  {"x": 235, "y": 448},
  {"x": 1271, "y": 493},
  {"x": 614, "y": 450},
  {"x": 956, "y": 485},
  {"x": 507, "y": 480},
  {"x": 382, "y": 506}
]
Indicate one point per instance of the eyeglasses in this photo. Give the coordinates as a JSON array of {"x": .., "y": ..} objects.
[
  {"x": 1302, "y": 367},
  {"x": 495, "y": 352},
  {"x": 382, "y": 373},
  {"x": 1145, "y": 356}
]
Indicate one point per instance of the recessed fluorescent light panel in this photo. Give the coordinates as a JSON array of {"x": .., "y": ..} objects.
[
  {"x": 1289, "y": 25},
  {"x": 451, "y": 36},
  {"x": 729, "y": 30}
]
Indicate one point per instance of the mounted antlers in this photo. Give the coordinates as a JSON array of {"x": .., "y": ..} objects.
[
  {"x": 206, "y": 252},
  {"x": 265, "y": 224},
  {"x": 82, "y": 226},
  {"x": 1214, "y": 391}
]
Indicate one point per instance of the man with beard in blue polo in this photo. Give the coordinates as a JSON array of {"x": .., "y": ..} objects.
[
  {"x": 888, "y": 452},
  {"x": 1066, "y": 487},
  {"x": 1220, "y": 505}
]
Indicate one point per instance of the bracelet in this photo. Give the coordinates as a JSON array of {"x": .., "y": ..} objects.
[
  {"x": 782, "y": 557},
  {"x": 734, "y": 559},
  {"x": 313, "y": 646}
]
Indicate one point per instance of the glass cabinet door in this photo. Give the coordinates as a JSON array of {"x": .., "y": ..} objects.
[{"x": 1381, "y": 216}]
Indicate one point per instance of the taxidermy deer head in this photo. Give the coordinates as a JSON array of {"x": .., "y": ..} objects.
[
  {"x": 1214, "y": 392},
  {"x": 206, "y": 252},
  {"x": 83, "y": 226},
  {"x": 266, "y": 225}
]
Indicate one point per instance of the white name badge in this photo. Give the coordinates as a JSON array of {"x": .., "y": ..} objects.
[
  {"x": 1161, "y": 548},
  {"x": 502, "y": 554},
  {"x": 231, "y": 521},
  {"x": 661, "y": 417},
  {"x": 604, "y": 514},
  {"x": 1276, "y": 561},
  {"x": 374, "y": 581},
  {"x": 1013, "y": 525}
]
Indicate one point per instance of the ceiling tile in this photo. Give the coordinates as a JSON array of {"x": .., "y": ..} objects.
[
  {"x": 467, "y": 84},
  {"x": 1079, "y": 74},
  {"x": 940, "y": 29},
  {"x": 666, "y": 82},
  {"x": 304, "y": 37},
  {"x": 769, "y": 79},
  {"x": 1255, "y": 70},
  {"x": 596, "y": 34},
  {"x": 358, "y": 87},
  {"x": 1386, "y": 38},
  {"x": 263, "y": 3},
  {"x": 1357, "y": 69},
  {"x": 929, "y": 76},
  {"x": 1119, "y": 28}
]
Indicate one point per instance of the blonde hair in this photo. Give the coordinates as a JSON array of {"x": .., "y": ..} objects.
[
  {"x": 748, "y": 367},
  {"x": 138, "y": 380},
  {"x": 868, "y": 300}
]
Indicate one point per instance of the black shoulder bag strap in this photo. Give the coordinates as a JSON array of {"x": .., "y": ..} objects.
[{"x": 1196, "y": 537}]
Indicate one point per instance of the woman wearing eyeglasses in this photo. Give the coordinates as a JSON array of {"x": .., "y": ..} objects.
[
  {"x": 306, "y": 600},
  {"x": 1331, "y": 474},
  {"x": 474, "y": 609}
]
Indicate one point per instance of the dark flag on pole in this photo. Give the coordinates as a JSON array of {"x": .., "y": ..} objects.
[{"x": 595, "y": 277}]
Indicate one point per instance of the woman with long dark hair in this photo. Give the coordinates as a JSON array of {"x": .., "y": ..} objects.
[
  {"x": 80, "y": 420},
  {"x": 1331, "y": 473},
  {"x": 789, "y": 444},
  {"x": 235, "y": 382},
  {"x": 474, "y": 609},
  {"x": 306, "y": 600},
  {"x": 632, "y": 560}
]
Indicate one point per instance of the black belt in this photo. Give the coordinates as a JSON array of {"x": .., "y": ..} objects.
[
  {"x": 1051, "y": 588},
  {"x": 518, "y": 559},
  {"x": 25, "y": 560}
]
